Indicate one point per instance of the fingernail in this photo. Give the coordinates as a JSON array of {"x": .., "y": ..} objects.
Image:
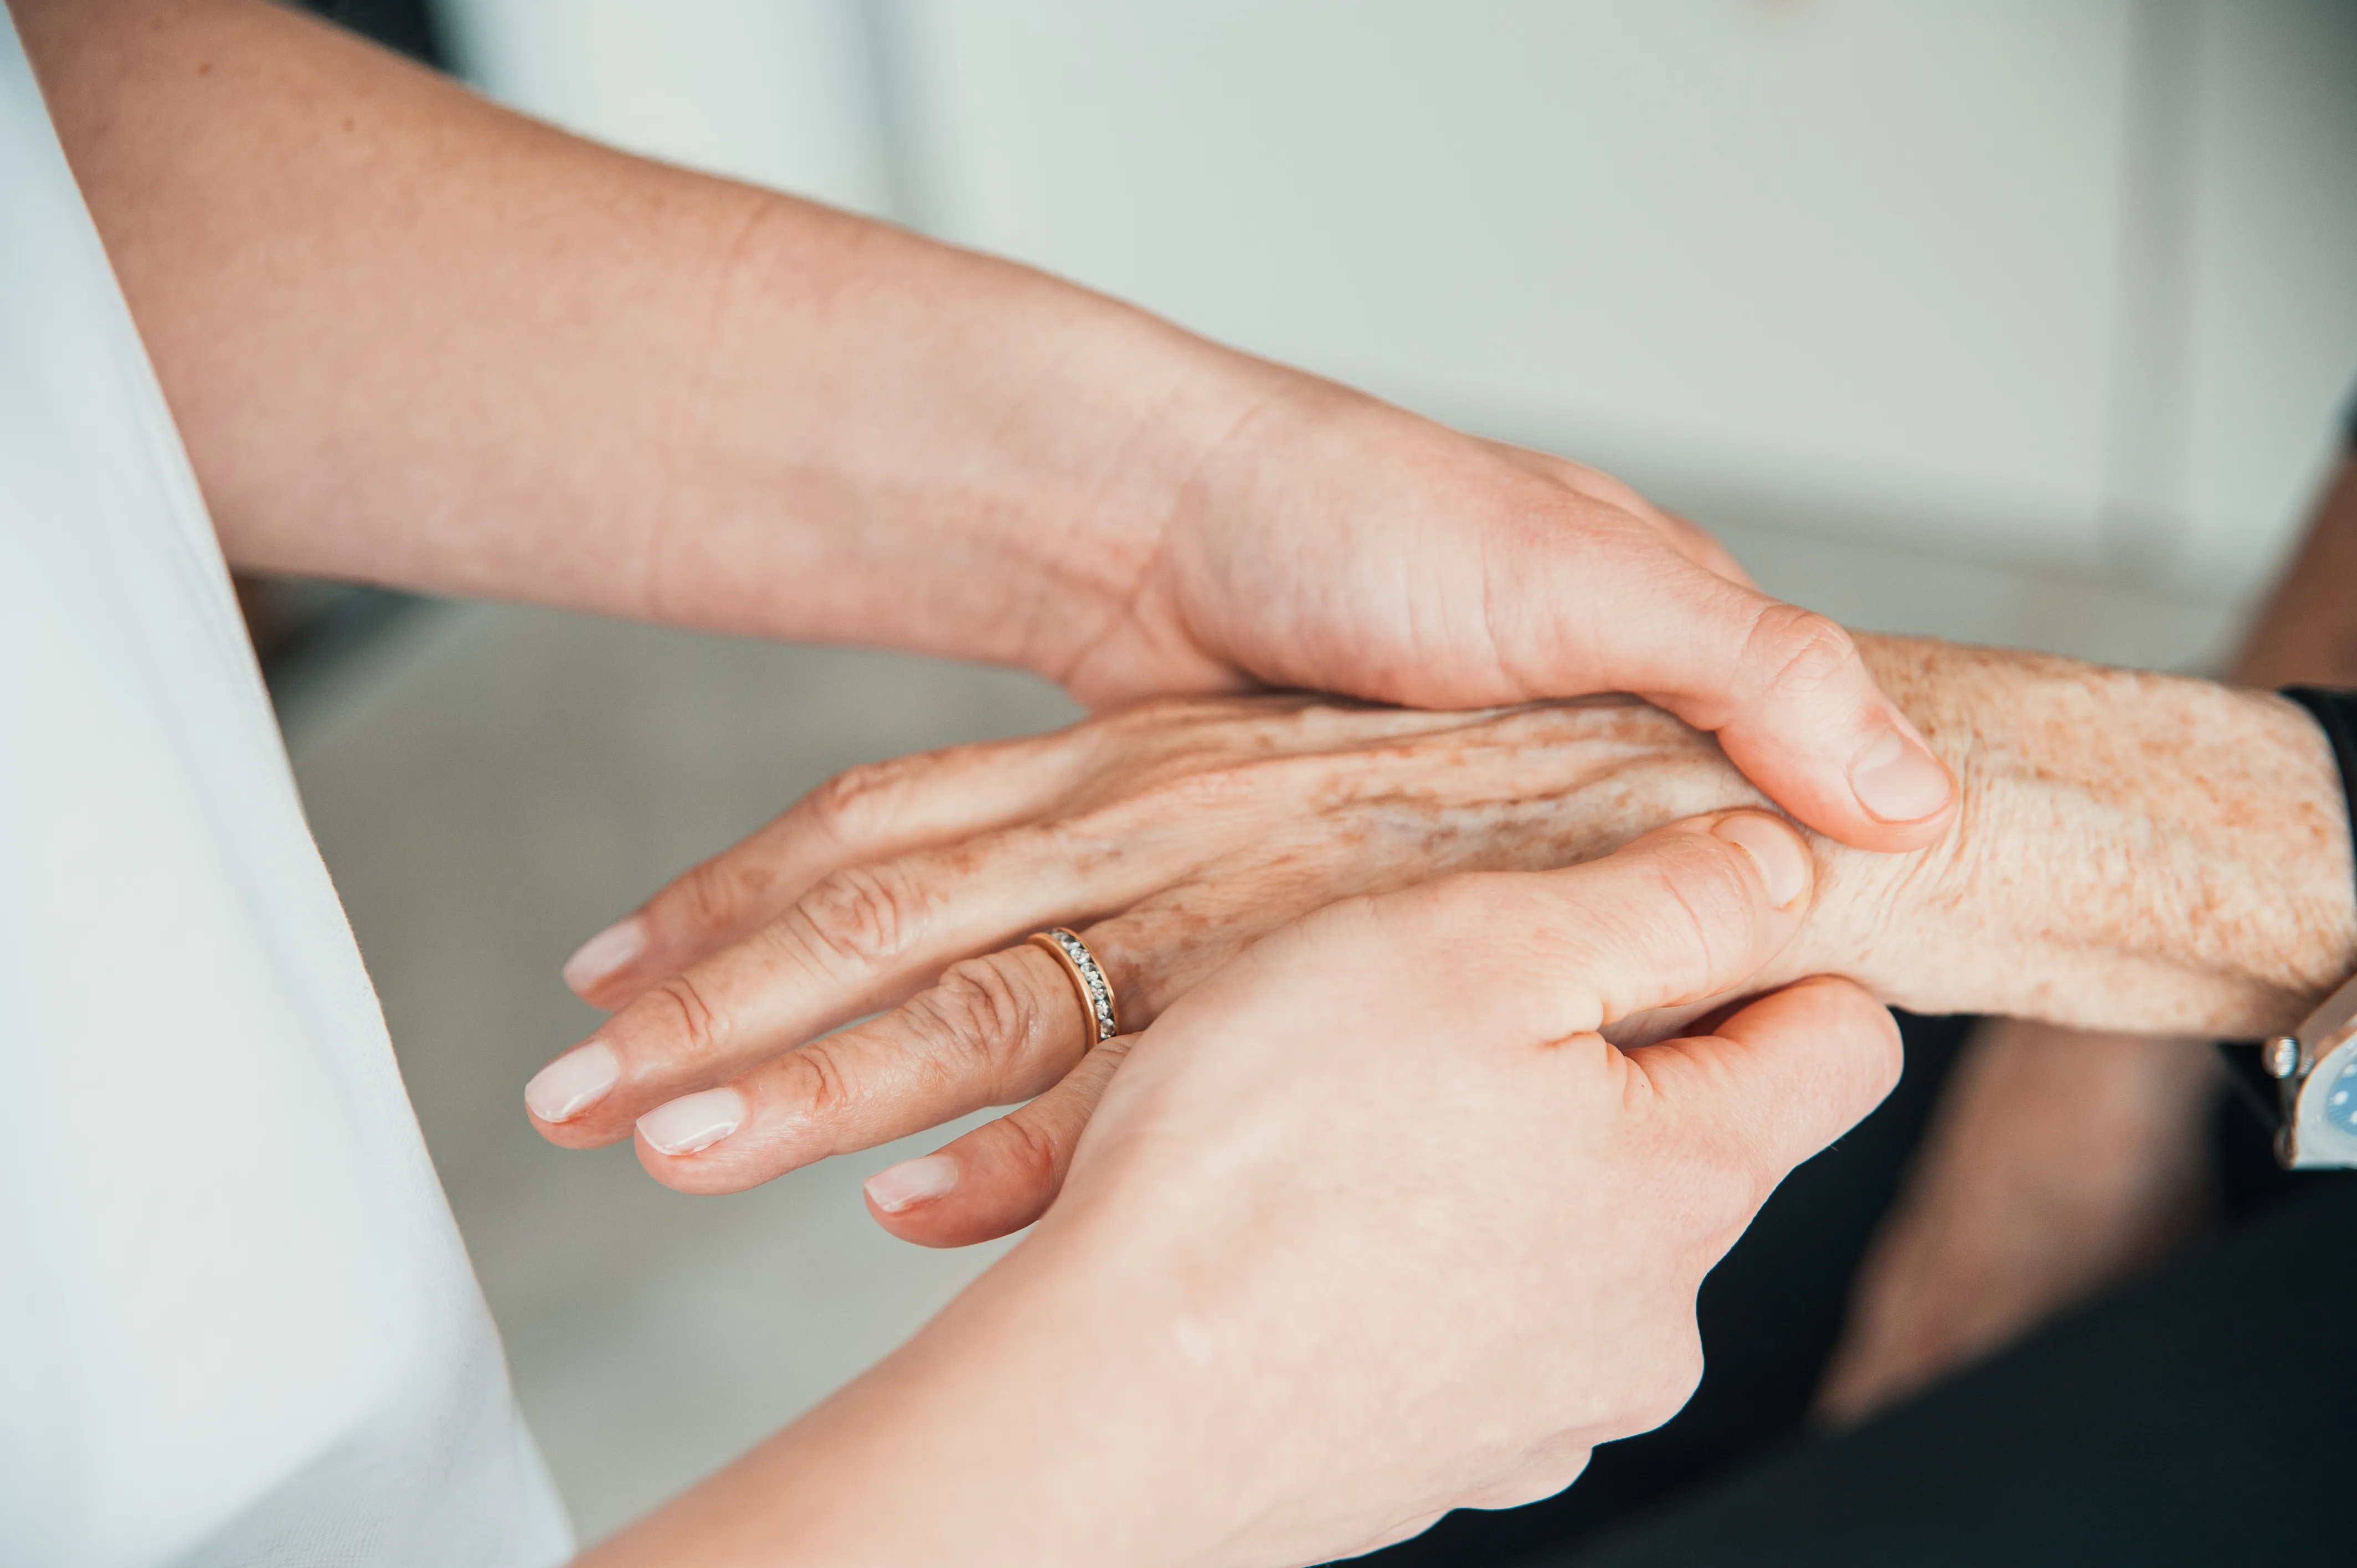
[
  {"x": 1775, "y": 849},
  {"x": 693, "y": 1121},
  {"x": 605, "y": 953},
  {"x": 912, "y": 1182},
  {"x": 1897, "y": 780},
  {"x": 573, "y": 1082}
]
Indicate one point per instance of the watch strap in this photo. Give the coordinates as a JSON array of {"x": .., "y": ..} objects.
[{"x": 2316, "y": 1067}]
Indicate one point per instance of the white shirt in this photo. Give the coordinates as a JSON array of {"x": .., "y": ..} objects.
[{"x": 237, "y": 1324}]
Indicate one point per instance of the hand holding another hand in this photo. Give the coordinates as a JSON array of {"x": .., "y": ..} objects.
[
  {"x": 1329, "y": 541},
  {"x": 1372, "y": 1224},
  {"x": 1172, "y": 835}
]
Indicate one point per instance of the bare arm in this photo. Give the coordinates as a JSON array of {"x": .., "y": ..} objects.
[
  {"x": 414, "y": 337},
  {"x": 411, "y": 338}
]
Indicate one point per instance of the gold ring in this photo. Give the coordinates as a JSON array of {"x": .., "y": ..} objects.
[{"x": 1099, "y": 1012}]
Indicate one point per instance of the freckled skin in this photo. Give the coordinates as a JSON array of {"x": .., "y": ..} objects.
[{"x": 2136, "y": 851}]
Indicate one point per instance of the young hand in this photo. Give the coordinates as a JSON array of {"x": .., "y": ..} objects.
[{"x": 1372, "y": 1224}]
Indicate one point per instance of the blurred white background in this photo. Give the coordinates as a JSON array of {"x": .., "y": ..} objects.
[
  {"x": 2005, "y": 320},
  {"x": 2061, "y": 292}
]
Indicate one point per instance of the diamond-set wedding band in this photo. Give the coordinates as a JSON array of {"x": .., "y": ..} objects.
[{"x": 1099, "y": 1012}]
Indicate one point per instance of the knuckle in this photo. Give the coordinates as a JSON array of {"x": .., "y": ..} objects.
[
  {"x": 817, "y": 1083},
  {"x": 699, "y": 1030},
  {"x": 976, "y": 1014},
  {"x": 1028, "y": 1149},
  {"x": 711, "y": 895},
  {"x": 859, "y": 916},
  {"x": 1800, "y": 650},
  {"x": 857, "y": 805}
]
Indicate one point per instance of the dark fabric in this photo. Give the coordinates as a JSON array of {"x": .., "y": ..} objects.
[
  {"x": 2198, "y": 1415},
  {"x": 1770, "y": 1313},
  {"x": 2206, "y": 1415},
  {"x": 2336, "y": 714}
]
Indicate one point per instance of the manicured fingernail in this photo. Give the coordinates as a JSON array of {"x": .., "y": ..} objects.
[
  {"x": 912, "y": 1182},
  {"x": 693, "y": 1121},
  {"x": 1775, "y": 849},
  {"x": 605, "y": 953},
  {"x": 573, "y": 1082},
  {"x": 1897, "y": 780}
]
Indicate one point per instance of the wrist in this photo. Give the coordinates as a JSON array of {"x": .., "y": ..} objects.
[
  {"x": 1016, "y": 1428},
  {"x": 2135, "y": 851},
  {"x": 1010, "y": 453},
  {"x": 940, "y": 450}
]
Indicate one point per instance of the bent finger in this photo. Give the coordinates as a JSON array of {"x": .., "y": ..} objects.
[
  {"x": 1781, "y": 1078},
  {"x": 1000, "y": 1177},
  {"x": 1684, "y": 914},
  {"x": 996, "y": 1029},
  {"x": 865, "y": 937},
  {"x": 875, "y": 811},
  {"x": 1791, "y": 702}
]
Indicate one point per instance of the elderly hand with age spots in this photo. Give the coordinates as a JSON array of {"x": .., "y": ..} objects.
[
  {"x": 2133, "y": 851},
  {"x": 1372, "y": 1224}
]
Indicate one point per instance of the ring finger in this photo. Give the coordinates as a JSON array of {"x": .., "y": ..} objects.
[{"x": 996, "y": 1029}]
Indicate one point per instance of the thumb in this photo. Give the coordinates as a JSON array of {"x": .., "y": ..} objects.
[
  {"x": 1782, "y": 688},
  {"x": 1002, "y": 1175},
  {"x": 1781, "y": 1078},
  {"x": 1687, "y": 914}
]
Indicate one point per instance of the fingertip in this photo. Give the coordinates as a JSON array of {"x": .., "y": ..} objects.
[
  {"x": 1831, "y": 1032},
  {"x": 954, "y": 1197},
  {"x": 1820, "y": 784},
  {"x": 693, "y": 1123},
  {"x": 1897, "y": 781},
  {"x": 605, "y": 956},
  {"x": 1787, "y": 870},
  {"x": 895, "y": 1189},
  {"x": 572, "y": 1085}
]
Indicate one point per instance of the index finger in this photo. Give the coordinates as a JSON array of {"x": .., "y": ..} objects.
[{"x": 1686, "y": 913}]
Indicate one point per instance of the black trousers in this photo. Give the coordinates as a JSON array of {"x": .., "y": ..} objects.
[{"x": 2205, "y": 1413}]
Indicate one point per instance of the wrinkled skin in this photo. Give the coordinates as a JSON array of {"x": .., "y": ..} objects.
[
  {"x": 1172, "y": 837},
  {"x": 1279, "y": 1270},
  {"x": 2129, "y": 848}
]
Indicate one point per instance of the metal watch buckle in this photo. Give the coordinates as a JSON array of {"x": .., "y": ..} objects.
[{"x": 2315, "y": 1071}]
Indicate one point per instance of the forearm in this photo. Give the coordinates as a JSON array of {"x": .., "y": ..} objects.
[
  {"x": 1034, "y": 1421},
  {"x": 2136, "y": 851},
  {"x": 413, "y": 338}
]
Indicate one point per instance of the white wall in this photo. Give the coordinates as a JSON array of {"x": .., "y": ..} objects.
[
  {"x": 782, "y": 92},
  {"x": 2063, "y": 291}
]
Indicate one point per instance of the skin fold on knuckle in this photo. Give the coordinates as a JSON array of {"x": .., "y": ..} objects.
[
  {"x": 1026, "y": 1158},
  {"x": 856, "y": 918},
  {"x": 859, "y": 805},
  {"x": 676, "y": 1013},
  {"x": 1797, "y": 653},
  {"x": 982, "y": 1028},
  {"x": 813, "y": 1086},
  {"x": 714, "y": 895}
]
